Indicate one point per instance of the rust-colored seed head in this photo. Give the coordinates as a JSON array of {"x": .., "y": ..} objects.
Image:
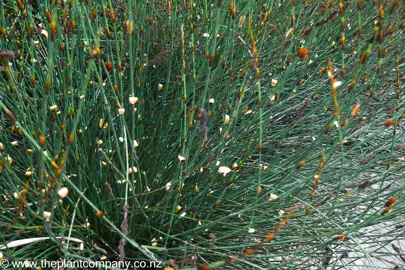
[
  {"x": 340, "y": 237},
  {"x": 343, "y": 40},
  {"x": 390, "y": 201},
  {"x": 394, "y": 5},
  {"x": 42, "y": 140},
  {"x": 71, "y": 138},
  {"x": 204, "y": 267},
  {"x": 53, "y": 29},
  {"x": 364, "y": 57},
  {"x": 33, "y": 80},
  {"x": 93, "y": 15},
  {"x": 48, "y": 15},
  {"x": 358, "y": 32},
  {"x": 58, "y": 172},
  {"x": 302, "y": 53},
  {"x": 109, "y": 66},
  {"x": 20, "y": 5},
  {"x": 361, "y": 118},
  {"x": 345, "y": 122},
  {"x": 99, "y": 214},
  {"x": 129, "y": 27},
  {"x": 240, "y": 94},
  {"x": 31, "y": 29},
  {"x": 47, "y": 86},
  {"x": 211, "y": 58},
  {"x": 232, "y": 9},
  {"x": 389, "y": 122},
  {"x": 359, "y": 5},
  {"x": 301, "y": 164},
  {"x": 292, "y": 19},
  {"x": 112, "y": 15},
  {"x": 355, "y": 109},
  {"x": 11, "y": 115}
]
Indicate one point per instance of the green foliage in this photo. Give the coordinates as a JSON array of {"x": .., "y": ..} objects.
[{"x": 279, "y": 82}]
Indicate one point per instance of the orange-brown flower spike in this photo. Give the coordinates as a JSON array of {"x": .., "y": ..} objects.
[
  {"x": 71, "y": 138},
  {"x": 129, "y": 27},
  {"x": 390, "y": 201},
  {"x": 42, "y": 140},
  {"x": 53, "y": 29},
  {"x": 256, "y": 57},
  {"x": 48, "y": 15},
  {"x": 345, "y": 122},
  {"x": 20, "y": 5},
  {"x": 301, "y": 164},
  {"x": 361, "y": 118},
  {"x": 355, "y": 110},
  {"x": 99, "y": 214},
  {"x": 292, "y": 20},
  {"x": 340, "y": 237},
  {"x": 364, "y": 56},
  {"x": 11, "y": 115},
  {"x": 389, "y": 123},
  {"x": 302, "y": 53},
  {"x": 108, "y": 32},
  {"x": 232, "y": 9},
  {"x": 394, "y": 5},
  {"x": 109, "y": 66},
  {"x": 359, "y": 5},
  {"x": 112, "y": 15}
]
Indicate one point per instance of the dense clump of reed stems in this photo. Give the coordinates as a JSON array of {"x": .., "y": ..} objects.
[{"x": 240, "y": 134}]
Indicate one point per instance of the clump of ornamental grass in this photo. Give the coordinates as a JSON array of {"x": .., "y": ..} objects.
[{"x": 203, "y": 134}]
